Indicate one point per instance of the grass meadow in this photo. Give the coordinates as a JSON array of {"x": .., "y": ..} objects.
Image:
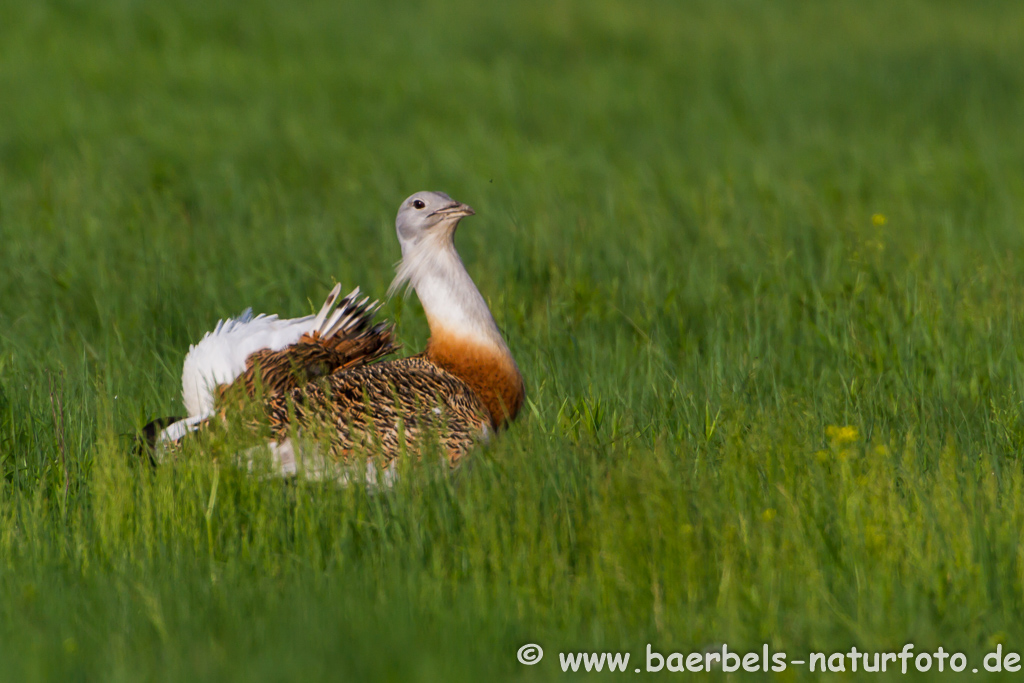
[{"x": 759, "y": 262}]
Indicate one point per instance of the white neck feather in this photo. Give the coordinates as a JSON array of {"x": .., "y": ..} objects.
[{"x": 450, "y": 299}]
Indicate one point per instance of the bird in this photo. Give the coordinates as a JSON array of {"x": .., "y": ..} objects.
[{"x": 326, "y": 376}]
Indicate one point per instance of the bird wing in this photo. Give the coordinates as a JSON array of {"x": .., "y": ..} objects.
[
  {"x": 346, "y": 339},
  {"x": 282, "y": 354}
]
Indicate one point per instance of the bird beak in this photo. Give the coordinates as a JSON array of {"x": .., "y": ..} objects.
[{"x": 454, "y": 210}]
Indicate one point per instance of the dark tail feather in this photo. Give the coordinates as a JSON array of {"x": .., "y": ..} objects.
[{"x": 145, "y": 442}]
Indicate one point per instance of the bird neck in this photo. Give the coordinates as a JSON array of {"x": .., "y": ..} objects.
[
  {"x": 464, "y": 339},
  {"x": 451, "y": 301}
]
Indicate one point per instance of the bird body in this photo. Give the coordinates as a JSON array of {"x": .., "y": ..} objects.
[{"x": 322, "y": 375}]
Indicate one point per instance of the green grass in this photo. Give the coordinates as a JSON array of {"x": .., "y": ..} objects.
[{"x": 710, "y": 231}]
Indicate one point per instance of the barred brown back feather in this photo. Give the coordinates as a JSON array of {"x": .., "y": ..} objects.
[{"x": 379, "y": 406}]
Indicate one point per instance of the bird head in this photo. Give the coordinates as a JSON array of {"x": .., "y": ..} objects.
[{"x": 428, "y": 215}]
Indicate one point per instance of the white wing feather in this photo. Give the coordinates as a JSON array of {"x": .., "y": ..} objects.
[{"x": 219, "y": 357}]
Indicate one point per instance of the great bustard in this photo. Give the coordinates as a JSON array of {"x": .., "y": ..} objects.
[{"x": 324, "y": 371}]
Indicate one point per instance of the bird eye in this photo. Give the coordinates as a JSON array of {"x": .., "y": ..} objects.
[{"x": 419, "y": 204}]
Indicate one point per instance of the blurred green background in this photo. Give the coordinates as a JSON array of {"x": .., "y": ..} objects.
[{"x": 759, "y": 263}]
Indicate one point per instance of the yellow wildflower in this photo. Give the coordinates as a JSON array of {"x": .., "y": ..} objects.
[
  {"x": 879, "y": 219},
  {"x": 841, "y": 435}
]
